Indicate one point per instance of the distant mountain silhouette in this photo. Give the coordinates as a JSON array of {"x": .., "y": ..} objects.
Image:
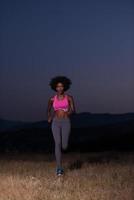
[
  {"x": 78, "y": 120},
  {"x": 89, "y": 132},
  {"x": 10, "y": 125},
  {"x": 86, "y": 119}
]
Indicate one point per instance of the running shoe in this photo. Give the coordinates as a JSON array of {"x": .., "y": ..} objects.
[{"x": 59, "y": 171}]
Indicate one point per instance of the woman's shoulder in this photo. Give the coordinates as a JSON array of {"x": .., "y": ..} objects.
[
  {"x": 52, "y": 97},
  {"x": 69, "y": 96}
]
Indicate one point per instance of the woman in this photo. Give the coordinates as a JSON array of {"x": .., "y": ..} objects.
[{"x": 63, "y": 105}]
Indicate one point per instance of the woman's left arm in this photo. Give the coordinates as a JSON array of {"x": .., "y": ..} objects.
[{"x": 72, "y": 105}]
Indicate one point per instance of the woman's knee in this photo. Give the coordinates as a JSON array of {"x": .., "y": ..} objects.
[
  {"x": 64, "y": 146},
  {"x": 58, "y": 145}
]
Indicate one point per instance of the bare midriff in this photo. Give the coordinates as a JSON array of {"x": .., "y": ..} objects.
[{"x": 60, "y": 114}]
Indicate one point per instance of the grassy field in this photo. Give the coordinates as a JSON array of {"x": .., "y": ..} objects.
[{"x": 88, "y": 176}]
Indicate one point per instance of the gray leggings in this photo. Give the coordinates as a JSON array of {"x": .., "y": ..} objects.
[{"x": 61, "y": 131}]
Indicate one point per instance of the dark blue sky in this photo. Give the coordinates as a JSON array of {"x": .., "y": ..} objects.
[{"x": 91, "y": 42}]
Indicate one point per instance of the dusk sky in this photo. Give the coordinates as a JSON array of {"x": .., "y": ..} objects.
[{"x": 89, "y": 41}]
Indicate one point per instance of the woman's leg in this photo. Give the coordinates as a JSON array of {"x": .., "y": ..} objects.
[
  {"x": 65, "y": 130},
  {"x": 57, "y": 138}
]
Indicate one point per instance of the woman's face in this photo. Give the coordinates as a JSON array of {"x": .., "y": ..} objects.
[{"x": 60, "y": 88}]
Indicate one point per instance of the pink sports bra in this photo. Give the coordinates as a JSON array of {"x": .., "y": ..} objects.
[{"x": 62, "y": 104}]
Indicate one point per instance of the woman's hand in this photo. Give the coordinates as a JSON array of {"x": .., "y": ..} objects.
[
  {"x": 68, "y": 113},
  {"x": 49, "y": 119}
]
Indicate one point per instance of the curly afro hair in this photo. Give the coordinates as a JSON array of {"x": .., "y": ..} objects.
[{"x": 60, "y": 79}]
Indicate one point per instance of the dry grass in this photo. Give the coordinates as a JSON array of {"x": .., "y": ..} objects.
[{"x": 90, "y": 176}]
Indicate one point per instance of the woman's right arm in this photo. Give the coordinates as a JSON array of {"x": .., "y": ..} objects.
[{"x": 49, "y": 106}]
